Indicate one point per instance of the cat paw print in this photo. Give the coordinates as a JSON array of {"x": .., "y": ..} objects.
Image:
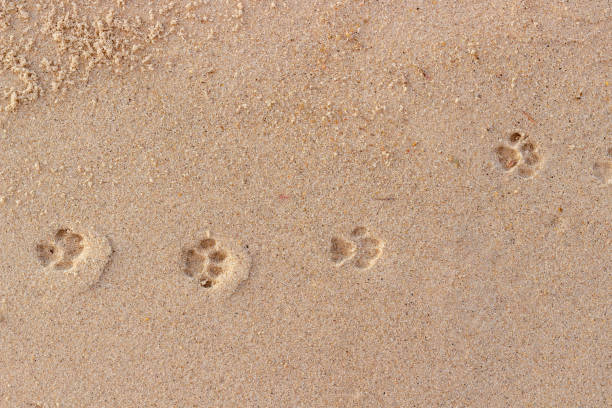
[
  {"x": 520, "y": 154},
  {"x": 217, "y": 262},
  {"x": 602, "y": 170},
  {"x": 62, "y": 252},
  {"x": 72, "y": 261},
  {"x": 362, "y": 249}
]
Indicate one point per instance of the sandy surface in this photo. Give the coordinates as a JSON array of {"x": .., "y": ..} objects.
[{"x": 305, "y": 203}]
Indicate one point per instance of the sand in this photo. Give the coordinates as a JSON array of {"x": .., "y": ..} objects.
[{"x": 305, "y": 203}]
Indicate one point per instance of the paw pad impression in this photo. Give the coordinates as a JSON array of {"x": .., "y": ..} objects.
[
  {"x": 62, "y": 252},
  {"x": 72, "y": 260},
  {"x": 214, "y": 261},
  {"x": 362, "y": 249},
  {"x": 520, "y": 154}
]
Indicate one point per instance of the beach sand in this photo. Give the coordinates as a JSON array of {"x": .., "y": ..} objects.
[{"x": 305, "y": 203}]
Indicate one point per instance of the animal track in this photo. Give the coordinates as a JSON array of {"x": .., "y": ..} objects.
[
  {"x": 521, "y": 154},
  {"x": 209, "y": 263},
  {"x": 72, "y": 261},
  {"x": 362, "y": 249},
  {"x": 3, "y": 310},
  {"x": 602, "y": 170},
  {"x": 63, "y": 252}
]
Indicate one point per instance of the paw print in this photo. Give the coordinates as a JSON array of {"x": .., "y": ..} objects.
[
  {"x": 206, "y": 262},
  {"x": 362, "y": 249},
  {"x": 520, "y": 154},
  {"x": 602, "y": 170},
  {"x": 63, "y": 252}
]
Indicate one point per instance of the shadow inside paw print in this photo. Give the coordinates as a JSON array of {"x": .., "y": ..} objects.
[
  {"x": 63, "y": 252},
  {"x": 206, "y": 262},
  {"x": 362, "y": 248},
  {"x": 520, "y": 154}
]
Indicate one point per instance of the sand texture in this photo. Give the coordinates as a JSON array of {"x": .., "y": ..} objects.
[{"x": 349, "y": 203}]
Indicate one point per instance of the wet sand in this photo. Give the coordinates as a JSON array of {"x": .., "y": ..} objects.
[{"x": 305, "y": 204}]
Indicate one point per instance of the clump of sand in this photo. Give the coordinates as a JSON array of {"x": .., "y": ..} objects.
[{"x": 50, "y": 46}]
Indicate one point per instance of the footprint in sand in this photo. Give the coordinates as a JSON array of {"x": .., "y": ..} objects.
[
  {"x": 362, "y": 249},
  {"x": 216, "y": 263},
  {"x": 3, "y": 311},
  {"x": 63, "y": 252},
  {"x": 521, "y": 154},
  {"x": 602, "y": 170},
  {"x": 72, "y": 257}
]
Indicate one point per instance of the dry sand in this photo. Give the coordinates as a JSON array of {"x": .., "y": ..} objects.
[{"x": 305, "y": 203}]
